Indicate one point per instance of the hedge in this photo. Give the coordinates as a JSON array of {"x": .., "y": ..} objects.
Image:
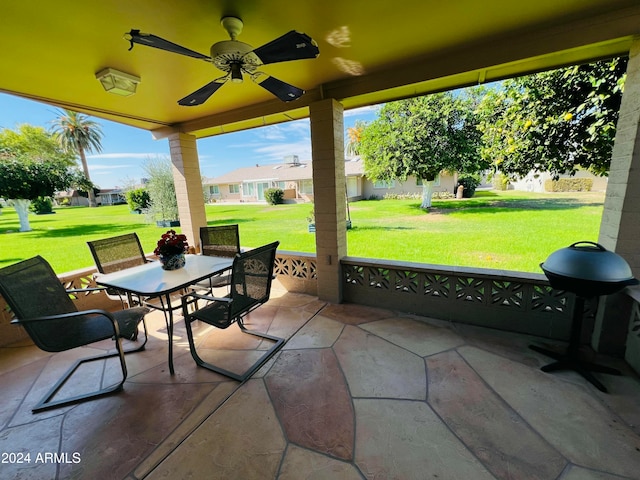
[{"x": 569, "y": 185}]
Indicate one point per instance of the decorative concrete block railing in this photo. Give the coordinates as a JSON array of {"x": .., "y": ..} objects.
[
  {"x": 632, "y": 350},
  {"x": 513, "y": 301},
  {"x": 297, "y": 272}
]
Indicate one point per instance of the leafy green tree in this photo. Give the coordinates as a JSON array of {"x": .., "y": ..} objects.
[
  {"x": 33, "y": 165},
  {"x": 78, "y": 134},
  {"x": 34, "y": 143},
  {"x": 555, "y": 121},
  {"x": 162, "y": 190},
  {"x": 23, "y": 180},
  {"x": 422, "y": 137}
]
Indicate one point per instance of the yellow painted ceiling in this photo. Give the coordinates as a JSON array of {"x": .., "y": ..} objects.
[{"x": 370, "y": 52}]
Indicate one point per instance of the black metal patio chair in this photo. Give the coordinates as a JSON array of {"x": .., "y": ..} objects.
[
  {"x": 251, "y": 278},
  {"x": 40, "y": 303},
  {"x": 218, "y": 241},
  {"x": 117, "y": 253}
]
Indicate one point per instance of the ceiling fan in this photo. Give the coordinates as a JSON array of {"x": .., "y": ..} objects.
[{"x": 235, "y": 58}]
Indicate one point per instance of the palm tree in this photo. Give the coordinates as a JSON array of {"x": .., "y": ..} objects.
[
  {"x": 355, "y": 135},
  {"x": 78, "y": 134}
]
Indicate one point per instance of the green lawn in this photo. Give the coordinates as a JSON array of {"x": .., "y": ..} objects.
[{"x": 504, "y": 230}]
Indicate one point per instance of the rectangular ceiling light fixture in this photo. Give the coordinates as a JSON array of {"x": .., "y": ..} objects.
[{"x": 117, "y": 82}]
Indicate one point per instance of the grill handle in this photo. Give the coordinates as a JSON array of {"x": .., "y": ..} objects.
[{"x": 593, "y": 244}]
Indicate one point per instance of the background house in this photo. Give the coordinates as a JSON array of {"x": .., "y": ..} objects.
[
  {"x": 537, "y": 182},
  {"x": 71, "y": 198},
  {"x": 248, "y": 184},
  {"x": 111, "y": 196}
]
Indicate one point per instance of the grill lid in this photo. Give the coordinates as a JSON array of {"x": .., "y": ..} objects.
[{"x": 589, "y": 261}]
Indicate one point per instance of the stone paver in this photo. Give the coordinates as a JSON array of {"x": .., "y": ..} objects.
[
  {"x": 312, "y": 401},
  {"x": 300, "y": 463},
  {"x": 20, "y": 439},
  {"x": 405, "y": 439},
  {"x": 242, "y": 439},
  {"x": 480, "y": 418},
  {"x": 565, "y": 414},
  {"x": 319, "y": 332},
  {"x": 579, "y": 473},
  {"x": 417, "y": 337},
  {"x": 376, "y": 368}
]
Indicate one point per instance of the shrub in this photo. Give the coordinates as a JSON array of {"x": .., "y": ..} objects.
[
  {"x": 274, "y": 196},
  {"x": 138, "y": 199},
  {"x": 569, "y": 185},
  {"x": 402, "y": 196},
  {"x": 41, "y": 205},
  {"x": 442, "y": 195},
  {"x": 470, "y": 183}
]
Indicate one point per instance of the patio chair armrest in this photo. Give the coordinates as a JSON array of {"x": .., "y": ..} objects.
[
  {"x": 208, "y": 297},
  {"x": 194, "y": 297},
  {"x": 70, "y": 316},
  {"x": 87, "y": 289}
]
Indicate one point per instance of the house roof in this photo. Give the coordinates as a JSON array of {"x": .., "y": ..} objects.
[
  {"x": 281, "y": 172},
  {"x": 368, "y": 55}
]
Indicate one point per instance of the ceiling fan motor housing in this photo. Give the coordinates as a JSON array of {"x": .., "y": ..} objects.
[{"x": 227, "y": 52}]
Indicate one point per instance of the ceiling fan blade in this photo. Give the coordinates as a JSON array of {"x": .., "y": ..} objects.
[
  {"x": 135, "y": 36},
  {"x": 202, "y": 94},
  {"x": 280, "y": 89},
  {"x": 290, "y": 46}
]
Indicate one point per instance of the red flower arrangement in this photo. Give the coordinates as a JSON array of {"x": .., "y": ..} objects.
[{"x": 171, "y": 243}]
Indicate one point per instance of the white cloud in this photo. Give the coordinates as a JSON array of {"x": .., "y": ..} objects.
[
  {"x": 271, "y": 133},
  {"x": 111, "y": 166},
  {"x": 277, "y": 152},
  {"x": 370, "y": 109}
]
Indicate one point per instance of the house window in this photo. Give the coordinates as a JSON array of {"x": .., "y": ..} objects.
[
  {"x": 384, "y": 184},
  {"x": 234, "y": 188},
  {"x": 247, "y": 189},
  {"x": 214, "y": 190},
  {"x": 306, "y": 187}
]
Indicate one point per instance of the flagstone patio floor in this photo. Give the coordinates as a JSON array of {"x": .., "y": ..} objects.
[{"x": 355, "y": 393}]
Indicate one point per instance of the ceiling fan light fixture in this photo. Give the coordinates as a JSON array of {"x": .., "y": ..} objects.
[
  {"x": 236, "y": 72},
  {"x": 118, "y": 83}
]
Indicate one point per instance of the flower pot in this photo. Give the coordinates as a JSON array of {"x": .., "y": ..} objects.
[
  {"x": 172, "y": 262},
  {"x": 168, "y": 223}
]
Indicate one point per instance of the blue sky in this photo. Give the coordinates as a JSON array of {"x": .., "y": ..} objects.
[{"x": 125, "y": 149}]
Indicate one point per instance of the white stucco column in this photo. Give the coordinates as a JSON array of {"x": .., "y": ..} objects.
[
  {"x": 620, "y": 225},
  {"x": 188, "y": 182},
  {"x": 327, "y": 144}
]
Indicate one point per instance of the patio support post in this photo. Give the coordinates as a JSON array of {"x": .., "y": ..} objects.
[
  {"x": 620, "y": 225},
  {"x": 188, "y": 182},
  {"x": 327, "y": 145}
]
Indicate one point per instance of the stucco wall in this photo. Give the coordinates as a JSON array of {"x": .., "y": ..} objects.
[{"x": 446, "y": 184}]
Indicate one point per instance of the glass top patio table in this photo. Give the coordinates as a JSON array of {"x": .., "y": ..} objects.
[{"x": 150, "y": 280}]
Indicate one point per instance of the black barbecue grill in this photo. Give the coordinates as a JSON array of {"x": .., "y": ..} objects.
[{"x": 588, "y": 270}]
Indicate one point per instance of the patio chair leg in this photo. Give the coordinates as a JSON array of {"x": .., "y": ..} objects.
[
  {"x": 46, "y": 404},
  {"x": 279, "y": 342},
  {"x": 141, "y": 347}
]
